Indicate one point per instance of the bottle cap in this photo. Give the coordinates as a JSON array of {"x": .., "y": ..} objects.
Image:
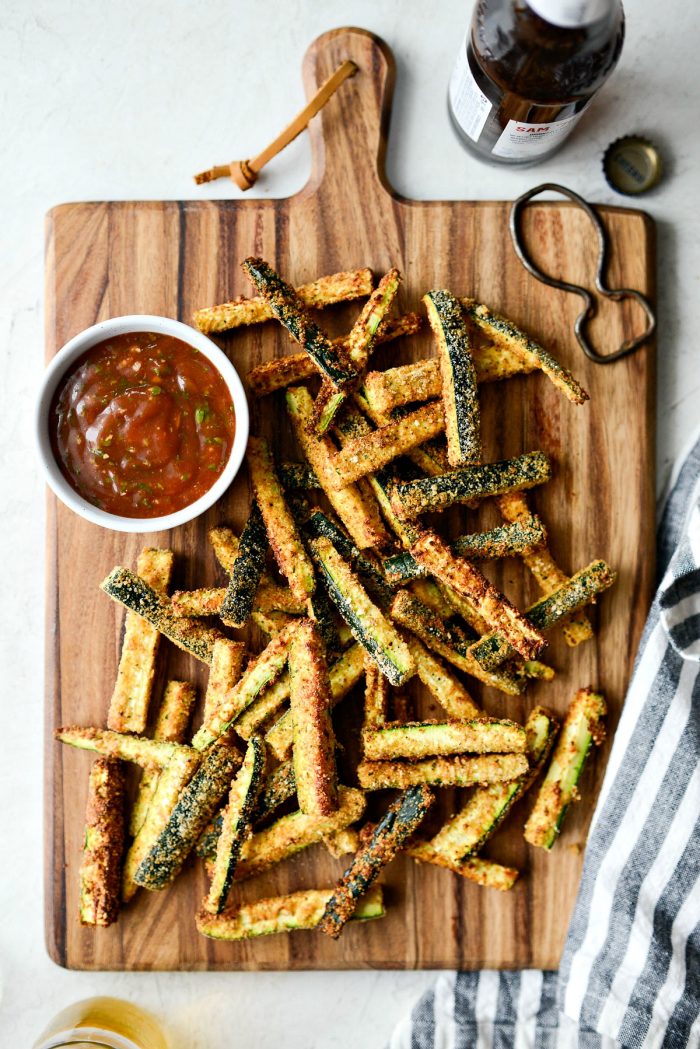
[{"x": 632, "y": 165}]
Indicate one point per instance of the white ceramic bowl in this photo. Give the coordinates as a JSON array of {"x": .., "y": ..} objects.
[{"x": 62, "y": 362}]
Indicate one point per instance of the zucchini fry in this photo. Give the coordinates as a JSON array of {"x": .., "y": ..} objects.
[
  {"x": 502, "y": 541},
  {"x": 263, "y": 671},
  {"x": 263, "y": 708},
  {"x": 171, "y": 782},
  {"x": 225, "y": 546},
  {"x": 367, "y": 454},
  {"x": 506, "y": 335},
  {"x": 298, "y": 910},
  {"x": 430, "y": 494},
  {"x": 295, "y": 832},
  {"x": 246, "y": 571},
  {"x": 459, "y": 574},
  {"x": 583, "y": 726},
  {"x": 207, "y": 601},
  {"x": 227, "y": 660},
  {"x": 171, "y": 727},
  {"x": 493, "y": 649},
  {"x": 359, "y": 345},
  {"x": 443, "y": 686},
  {"x": 148, "y": 753},
  {"x": 237, "y": 820},
  {"x": 412, "y": 614},
  {"x": 473, "y": 868},
  {"x": 544, "y": 569},
  {"x": 128, "y": 589},
  {"x": 392, "y": 832},
  {"x": 326, "y": 291},
  {"x": 344, "y": 675},
  {"x": 458, "y": 378},
  {"x": 319, "y": 526},
  {"x": 296, "y": 367},
  {"x": 194, "y": 808},
  {"x": 128, "y": 708},
  {"x": 432, "y": 738},
  {"x": 457, "y": 771},
  {"x": 359, "y": 516},
  {"x": 374, "y": 632},
  {"x": 468, "y": 831},
  {"x": 310, "y": 704},
  {"x": 290, "y": 555},
  {"x": 100, "y": 867},
  {"x": 331, "y": 359}
]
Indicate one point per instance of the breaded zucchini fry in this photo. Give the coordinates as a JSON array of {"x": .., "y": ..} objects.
[
  {"x": 437, "y": 558},
  {"x": 369, "y": 626},
  {"x": 128, "y": 708},
  {"x": 474, "y": 868},
  {"x": 246, "y": 571},
  {"x": 263, "y": 708},
  {"x": 460, "y": 398},
  {"x": 331, "y": 359},
  {"x": 337, "y": 287},
  {"x": 100, "y": 867},
  {"x": 429, "y": 494},
  {"x": 432, "y": 738},
  {"x": 506, "y": 335},
  {"x": 148, "y": 753},
  {"x": 298, "y": 910},
  {"x": 310, "y": 704},
  {"x": 583, "y": 726},
  {"x": 457, "y": 771},
  {"x": 376, "y": 709},
  {"x": 392, "y": 832},
  {"x": 128, "y": 589},
  {"x": 290, "y": 555},
  {"x": 227, "y": 661},
  {"x": 236, "y": 823},
  {"x": 194, "y": 808},
  {"x": 359, "y": 516}
]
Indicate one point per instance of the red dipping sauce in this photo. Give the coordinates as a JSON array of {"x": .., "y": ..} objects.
[{"x": 142, "y": 425}]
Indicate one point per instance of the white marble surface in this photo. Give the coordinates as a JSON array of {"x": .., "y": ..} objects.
[{"x": 106, "y": 100}]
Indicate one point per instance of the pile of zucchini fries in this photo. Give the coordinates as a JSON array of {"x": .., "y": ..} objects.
[{"x": 367, "y": 592}]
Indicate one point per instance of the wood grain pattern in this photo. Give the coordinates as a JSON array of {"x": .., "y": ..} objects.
[{"x": 107, "y": 259}]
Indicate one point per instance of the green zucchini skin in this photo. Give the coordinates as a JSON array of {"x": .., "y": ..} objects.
[
  {"x": 128, "y": 589},
  {"x": 501, "y": 541},
  {"x": 417, "y": 740},
  {"x": 459, "y": 386},
  {"x": 399, "y": 822},
  {"x": 237, "y": 820},
  {"x": 194, "y": 808},
  {"x": 409, "y": 499},
  {"x": 376, "y": 634},
  {"x": 321, "y": 611},
  {"x": 298, "y": 910},
  {"x": 247, "y": 570},
  {"x": 492, "y": 650},
  {"x": 298, "y": 475},
  {"x": 331, "y": 359}
]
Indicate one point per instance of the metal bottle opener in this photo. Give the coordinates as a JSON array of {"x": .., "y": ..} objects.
[{"x": 616, "y": 294}]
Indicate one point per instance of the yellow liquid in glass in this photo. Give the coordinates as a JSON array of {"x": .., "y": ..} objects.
[{"x": 108, "y": 1022}]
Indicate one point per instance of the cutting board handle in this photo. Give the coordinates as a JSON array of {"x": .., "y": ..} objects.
[{"x": 358, "y": 112}]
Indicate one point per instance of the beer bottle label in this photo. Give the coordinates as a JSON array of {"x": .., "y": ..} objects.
[
  {"x": 520, "y": 140},
  {"x": 470, "y": 106}
]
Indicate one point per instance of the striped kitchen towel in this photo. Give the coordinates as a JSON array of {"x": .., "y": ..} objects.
[{"x": 630, "y": 973}]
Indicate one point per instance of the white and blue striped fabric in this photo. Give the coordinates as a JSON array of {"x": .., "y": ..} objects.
[{"x": 630, "y": 972}]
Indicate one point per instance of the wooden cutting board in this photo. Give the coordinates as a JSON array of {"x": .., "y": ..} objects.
[{"x": 106, "y": 259}]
